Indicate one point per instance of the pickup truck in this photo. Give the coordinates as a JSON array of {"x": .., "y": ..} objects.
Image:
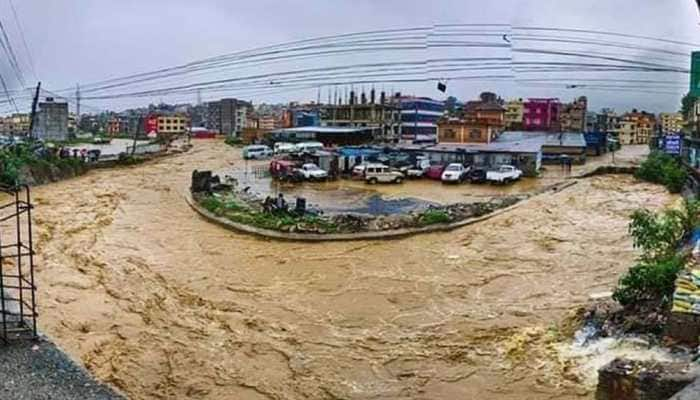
[
  {"x": 454, "y": 173},
  {"x": 504, "y": 174},
  {"x": 417, "y": 170},
  {"x": 312, "y": 172}
]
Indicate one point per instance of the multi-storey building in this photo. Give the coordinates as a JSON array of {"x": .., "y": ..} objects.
[
  {"x": 483, "y": 121},
  {"x": 572, "y": 117},
  {"x": 227, "y": 116},
  {"x": 514, "y": 115},
  {"x": 635, "y": 128},
  {"x": 15, "y": 124},
  {"x": 671, "y": 123},
  {"x": 592, "y": 124},
  {"x": 541, "y": 115},
  {"x": 384, "y": 118},
  {"x": 52, "y": 120},
  {"x": 173, "y": 124},
  {"x": 419, "y": 117}
]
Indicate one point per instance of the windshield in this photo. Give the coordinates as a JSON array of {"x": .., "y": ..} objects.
[{"x": 454, "y": 168}]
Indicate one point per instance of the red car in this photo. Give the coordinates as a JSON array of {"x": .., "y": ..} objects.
[{"x": 435, "y": 172}]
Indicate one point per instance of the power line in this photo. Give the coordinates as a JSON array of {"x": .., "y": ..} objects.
[
  {"x": 7, "y": 47},
  {"x": 24, "y": 40}
]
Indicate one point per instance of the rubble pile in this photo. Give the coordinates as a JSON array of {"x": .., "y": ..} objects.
[{"x": 624, "y": 379}]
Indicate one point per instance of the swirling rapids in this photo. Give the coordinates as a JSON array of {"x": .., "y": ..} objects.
[{"x": 161, "y": 304}]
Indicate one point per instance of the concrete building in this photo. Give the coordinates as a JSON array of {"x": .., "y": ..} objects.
[
  {"x": 671, "y": 123},
  {"x": 15, "y": 124},
  {"x": 267, "y": 122},
  {"x": 173, "y": 124},
  {"x": 383, "y": 119},
  {"x": 419, "y": 117},
  {"x": 466, "y": 131},
  {"x": 227, "y": 116},
  {"x": 541, "y": 115},
  {"x": 572, "y": 117},
  {"x": 52, "y": 120},
  {"x": 592, "y": 123},
  {"x": 514, "y": 114},
  {"x": 635, "y": 128}
]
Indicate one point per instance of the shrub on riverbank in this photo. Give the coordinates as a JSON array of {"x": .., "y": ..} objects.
[
  {"x": 430, "y": 217},
  {"x": 280, "y": 221},
  {"x": 19, "y": 164},
  {"x": 663, "y": 169},
  {"x": 660, "y": 237}
]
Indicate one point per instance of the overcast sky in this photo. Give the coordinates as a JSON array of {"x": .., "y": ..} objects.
[{"x": 84, "y": 41}]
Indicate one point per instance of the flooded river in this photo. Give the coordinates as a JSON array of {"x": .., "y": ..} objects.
[{"x": 163, "y": 305}]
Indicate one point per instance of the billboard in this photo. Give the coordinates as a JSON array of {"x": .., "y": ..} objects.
[
  {"x": 672, "y": 144},
  {"x": 151, "y": 125},
  {"x": 695, "y": 74}
]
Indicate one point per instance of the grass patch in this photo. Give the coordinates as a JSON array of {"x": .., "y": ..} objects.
[
  {"x": 233, "y": 141},
  {"x": 430, "y": 217},
  {"x": 241, "y": 213}
]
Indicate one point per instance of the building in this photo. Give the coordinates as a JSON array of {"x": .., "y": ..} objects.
[
  {"x": 541, "y": 115},
  {"x": 670, "y": 123},
  {"x": 328, "y": 135},
  {"x": 592, "y": 122},
  {"x": 383, "y": 119},
  {"x": 267, "y": 122},
  {"x": 454, "y": 130},
  {"x": 227, "y": 116},
  {"x": 635, "y": 128},
  {"x": 514, "y": 114},
  {"x": 15, "y": 124},
  {"x": 173, "y": 124},
  {"x": 572, "y": 117},
  {"x": 52, "y": 120},
  {"x": 419, "y": 117}
]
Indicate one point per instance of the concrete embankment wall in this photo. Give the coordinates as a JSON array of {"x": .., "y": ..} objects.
[{"x": 388, "y": 234}]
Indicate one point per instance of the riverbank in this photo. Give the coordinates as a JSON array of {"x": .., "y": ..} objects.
[
  {"x": 243, "y": 213},
  {"x": 37, "y": 369}
]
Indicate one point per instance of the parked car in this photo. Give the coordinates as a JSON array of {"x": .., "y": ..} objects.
[
  {"x": 380, "y": 173},
  {"x": 477, "y": 175},
  {"x": 283, "y": 148},
  {"x": 504, "y": 174},
  {"x": 256, "y": 151},
  {"x": 418, "y": 169},
  {"x": 308, "y": 147},
  {"x": 312, "y": 172},
  {"x": 435, "y": 172},
  {"x": 454, "y": 173},
  {"x": 358, "y": 172}
]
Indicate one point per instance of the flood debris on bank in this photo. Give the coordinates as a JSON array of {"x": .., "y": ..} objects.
[{"x": 239, "y": 205}]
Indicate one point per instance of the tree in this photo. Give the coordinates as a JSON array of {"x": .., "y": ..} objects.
[
  {"x": 687, "y": 104},
  {"x": 451, "y": 104}
]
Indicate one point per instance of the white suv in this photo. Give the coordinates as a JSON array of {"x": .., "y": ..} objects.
[{"x": 380, "y": 173}]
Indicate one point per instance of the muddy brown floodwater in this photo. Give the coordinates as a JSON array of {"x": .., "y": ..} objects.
[{"x": 164, "y": 305}]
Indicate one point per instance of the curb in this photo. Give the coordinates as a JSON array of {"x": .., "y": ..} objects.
[{"x": 321, "y": 237}]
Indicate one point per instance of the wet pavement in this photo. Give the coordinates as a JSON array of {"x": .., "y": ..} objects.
[{"x": 162, "y": 304}]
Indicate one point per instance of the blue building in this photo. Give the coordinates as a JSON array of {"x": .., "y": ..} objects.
[
  {"x": 306, "y": 118},
  {"x": 419, "y": 116}
]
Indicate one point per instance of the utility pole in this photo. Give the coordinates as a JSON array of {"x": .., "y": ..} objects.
[
  {"x": 35, "y": 101},
  {"x": 77, "y": 103}
]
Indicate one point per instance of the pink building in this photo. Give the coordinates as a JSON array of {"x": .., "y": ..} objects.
[{"x": 541, "y": 115}]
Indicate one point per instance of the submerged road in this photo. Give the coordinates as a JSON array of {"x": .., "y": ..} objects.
[{"x": 162, "y": 304}]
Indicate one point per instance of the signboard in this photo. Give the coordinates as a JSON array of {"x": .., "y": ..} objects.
[
  {"x": 151, "y": 125},
  {"x": 672, "y": 144},
  {"x": 695, "y": 74}
]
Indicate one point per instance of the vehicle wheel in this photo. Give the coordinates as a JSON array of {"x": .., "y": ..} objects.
[
  {"x": 372, "y": 181},
  {"x": 398, "y": 180}
]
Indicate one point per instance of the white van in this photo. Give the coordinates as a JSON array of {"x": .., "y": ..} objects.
[
  {"x": 256, "y": 151},
  {"x": 283, "y": 148},
  {"x": 309, "y": 147}
]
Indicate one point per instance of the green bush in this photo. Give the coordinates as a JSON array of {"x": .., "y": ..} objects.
[
  {"x": 649, "y": 280},
  {"x": 663, "y": 169},
  {"x": 430, "y": 217},
  {"x": 659, "y": 236}
]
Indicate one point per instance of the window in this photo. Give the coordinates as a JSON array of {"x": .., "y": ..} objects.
[{"x": 475, "y": 134}]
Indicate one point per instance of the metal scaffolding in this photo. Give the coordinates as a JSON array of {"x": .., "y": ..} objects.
[{"x": 17, "y": 289}]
